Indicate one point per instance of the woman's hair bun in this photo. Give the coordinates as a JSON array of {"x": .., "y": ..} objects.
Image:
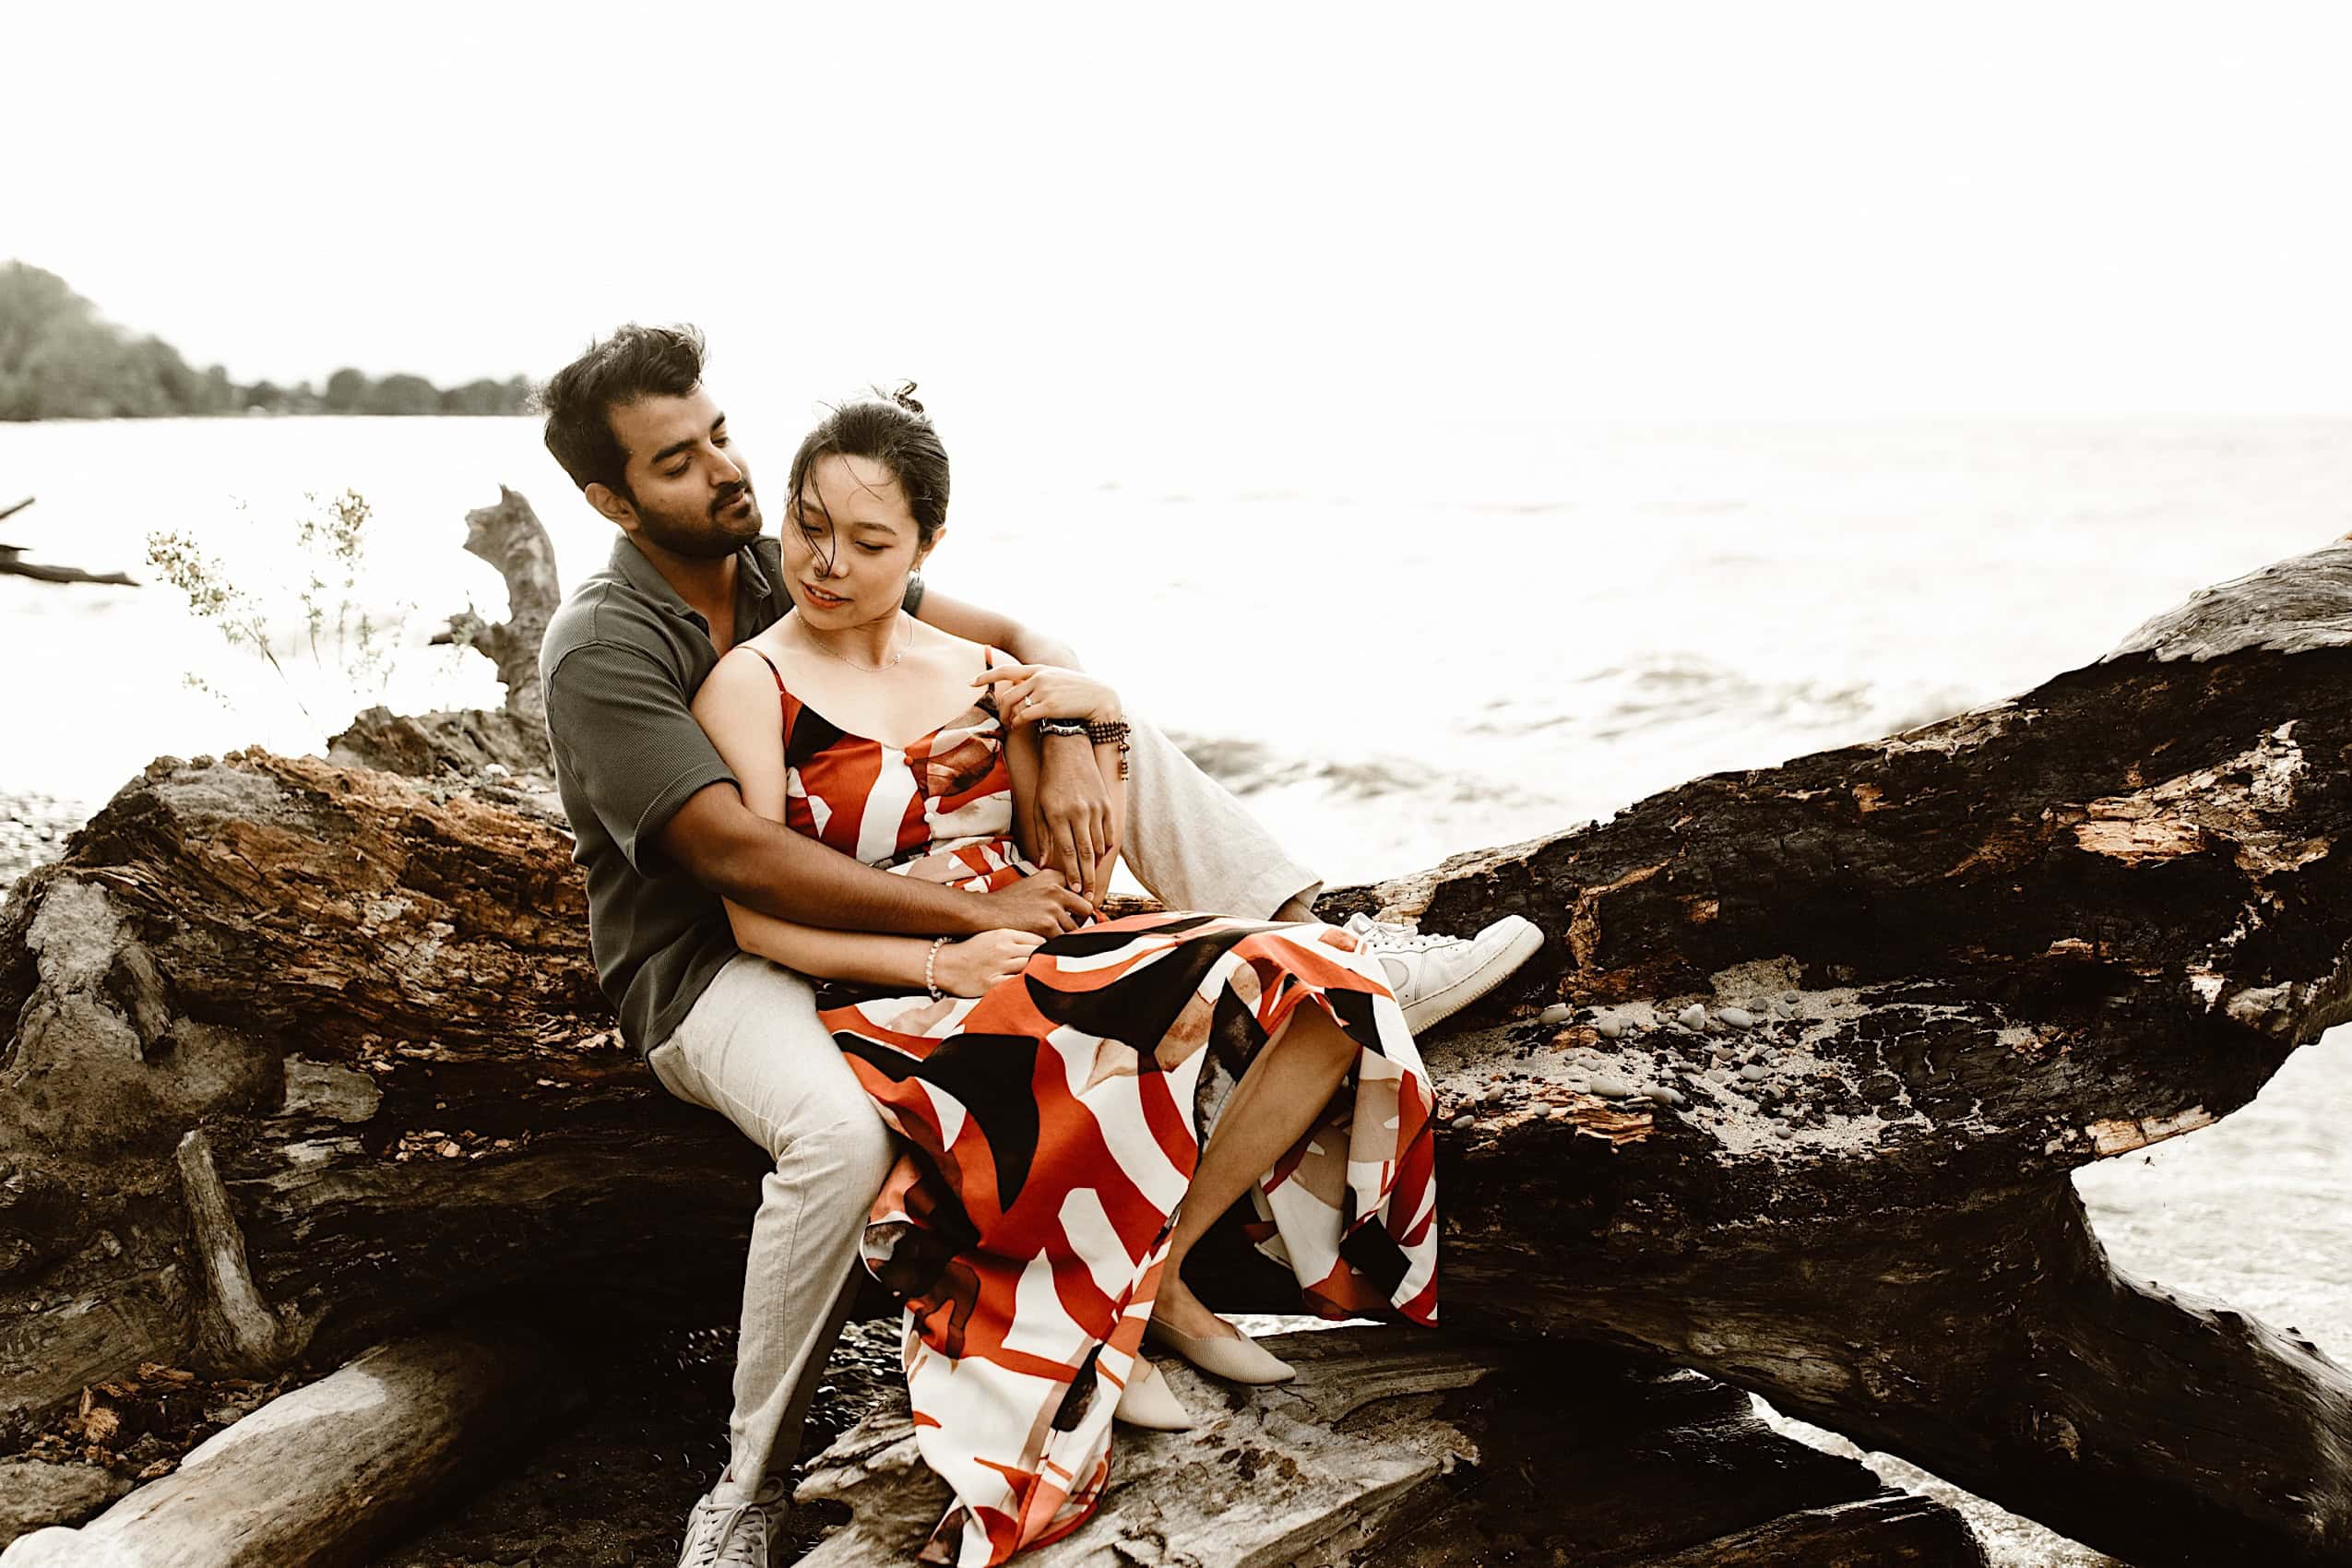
[{"x": 905, "y": 398}]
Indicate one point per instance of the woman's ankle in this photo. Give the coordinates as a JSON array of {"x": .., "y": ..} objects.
[{"x": 1178, "y": 1309}]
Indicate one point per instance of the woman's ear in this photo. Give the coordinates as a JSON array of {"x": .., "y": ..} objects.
[{"x": 923, "y": 551}]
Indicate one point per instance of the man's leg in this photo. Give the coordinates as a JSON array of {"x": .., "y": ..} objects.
[
  {"x": 753, "y": 1051},
  {"x": 1196, "y": 847}
]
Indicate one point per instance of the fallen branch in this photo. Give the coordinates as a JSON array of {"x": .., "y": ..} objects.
[
  {"x": 10, "y": 567},
  {"x": 326, "y": 1472}
]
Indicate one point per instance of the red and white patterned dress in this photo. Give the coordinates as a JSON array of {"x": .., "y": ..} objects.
[{"x": 1050, "y": 1127}]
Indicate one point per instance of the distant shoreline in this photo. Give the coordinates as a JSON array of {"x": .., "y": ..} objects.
[{"x": 61, "y": 360}]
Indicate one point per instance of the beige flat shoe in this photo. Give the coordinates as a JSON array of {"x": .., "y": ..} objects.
[
  {"x": 1238, "y": 1360},
  {"x": 1148, "y": 1402}
]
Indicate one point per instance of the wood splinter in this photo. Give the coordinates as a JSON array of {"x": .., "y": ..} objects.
[{"x": 240, "y": 1327}]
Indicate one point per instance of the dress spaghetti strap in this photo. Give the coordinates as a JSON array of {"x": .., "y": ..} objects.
[{"x": 771, "y": 669}]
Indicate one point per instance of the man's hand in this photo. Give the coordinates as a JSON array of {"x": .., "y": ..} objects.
[
  {"x": 1074, "y": 815},
  {"x": 1042, "y": 904}
]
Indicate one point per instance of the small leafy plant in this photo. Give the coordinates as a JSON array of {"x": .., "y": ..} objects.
[{"x": 352, "y": 646}]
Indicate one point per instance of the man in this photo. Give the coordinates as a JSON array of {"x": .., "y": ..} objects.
[{"x": 664, "y": 835}]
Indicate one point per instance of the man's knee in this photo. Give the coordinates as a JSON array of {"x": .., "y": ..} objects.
[{"x": 847, "y": 1154}]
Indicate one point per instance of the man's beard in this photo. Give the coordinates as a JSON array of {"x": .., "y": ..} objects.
[{"x": 702, "y": 537}]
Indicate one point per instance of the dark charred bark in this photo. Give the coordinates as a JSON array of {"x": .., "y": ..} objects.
[{"x": 1961, "y": 962}]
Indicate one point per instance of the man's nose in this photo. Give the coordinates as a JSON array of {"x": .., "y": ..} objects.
[{"x": 726, "y": 473}]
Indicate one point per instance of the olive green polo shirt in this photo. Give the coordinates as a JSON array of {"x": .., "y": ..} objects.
[{"x": 620, "y": 666}]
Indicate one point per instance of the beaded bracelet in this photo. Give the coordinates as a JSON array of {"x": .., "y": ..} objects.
[
  {"x": 1105, "y": 732},
  {"x": 930, "y": 958}
]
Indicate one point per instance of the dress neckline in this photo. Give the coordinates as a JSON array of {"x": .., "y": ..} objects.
[{"x": 984, "y": 701}]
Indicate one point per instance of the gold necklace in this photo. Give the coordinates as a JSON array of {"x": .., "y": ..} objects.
[{"x": 904, "y": 644}]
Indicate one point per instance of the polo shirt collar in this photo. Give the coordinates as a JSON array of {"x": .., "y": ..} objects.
[
  {"x": 646, "y": 578},
  {"x": 754, "y": 574}
]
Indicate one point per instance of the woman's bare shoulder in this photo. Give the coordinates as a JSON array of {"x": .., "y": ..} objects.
[{"x": 745, "y": 673}]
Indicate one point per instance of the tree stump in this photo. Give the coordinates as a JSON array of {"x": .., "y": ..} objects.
[{"x": 511, "y": 538}]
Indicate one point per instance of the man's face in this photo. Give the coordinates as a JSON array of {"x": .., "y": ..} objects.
[{"x": 691, "y": 489}]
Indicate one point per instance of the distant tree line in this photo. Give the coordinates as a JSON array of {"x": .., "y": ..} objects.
[{"x": 60, "y": 359}]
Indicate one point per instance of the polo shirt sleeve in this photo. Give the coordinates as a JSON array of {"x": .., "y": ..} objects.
[{"x": 631, "y": 743}]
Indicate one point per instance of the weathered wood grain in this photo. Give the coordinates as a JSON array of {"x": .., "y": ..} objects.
[
  {"x": 322, "y": 1475},
  {"x": 1972, "y": 958}
]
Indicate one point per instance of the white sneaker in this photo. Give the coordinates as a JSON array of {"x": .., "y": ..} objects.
[
  {"x": 734, "y": 1534},
  {"x": 1435, "y": 976}
]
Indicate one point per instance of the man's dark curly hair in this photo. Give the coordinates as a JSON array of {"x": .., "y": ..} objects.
[{"x": 634, "y": 363}]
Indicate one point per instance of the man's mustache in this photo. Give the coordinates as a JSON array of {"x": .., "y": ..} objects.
[{"x": 729, "y": 496}]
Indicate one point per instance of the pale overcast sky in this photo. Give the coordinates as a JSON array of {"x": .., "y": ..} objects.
[{"x": 1658, "y": 209}]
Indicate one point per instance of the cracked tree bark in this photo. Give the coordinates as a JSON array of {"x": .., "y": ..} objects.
[{"x": 1969, "y": 959}]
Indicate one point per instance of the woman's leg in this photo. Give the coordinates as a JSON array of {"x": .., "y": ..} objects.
[{"x": 1281, "y": 1096}]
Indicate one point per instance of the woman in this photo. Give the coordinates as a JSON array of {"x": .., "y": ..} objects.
[{"x": 1052, "y": 1096}]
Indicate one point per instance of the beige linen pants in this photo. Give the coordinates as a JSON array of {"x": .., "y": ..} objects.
[{"x": 753, "y": 1051}]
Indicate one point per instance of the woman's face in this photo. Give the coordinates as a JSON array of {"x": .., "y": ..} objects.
[{"x": 850, "y": 542}]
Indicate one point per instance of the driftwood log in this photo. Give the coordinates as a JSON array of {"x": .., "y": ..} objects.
[
  {"x": 1933, "y": 975},
  {"x": 319, "y": 1476},
  {"x": 1426, "y": 1451}
]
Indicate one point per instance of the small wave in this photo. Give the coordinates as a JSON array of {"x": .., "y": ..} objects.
[{"x": 1249, "y": 768}]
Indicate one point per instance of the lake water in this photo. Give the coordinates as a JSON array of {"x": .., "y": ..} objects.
[{"x": 1397, "y": 642}]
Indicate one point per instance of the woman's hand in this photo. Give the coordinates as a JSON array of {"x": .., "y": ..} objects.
[
  {"x": 1026, "y": 693},
  {"x": 968, "y": 967}
]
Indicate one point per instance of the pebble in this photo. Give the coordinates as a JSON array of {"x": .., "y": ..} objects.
[
  {"x": 1789, "y": 997},
  {"x": 1580, "y": 1085},
  {"x": 1461, "y": 1121},
  {"x": 1785, "y": 1007},
  {"x": 1611, "y": 1029},
  {"x": 1555, "y": 1014},
  {"x": 1738, "y": 1017},
  {"x": 1692, "y": 1017},
  {"x": 1753, "y": 1074},
  {"x": 1610, "y": 1089},
  {"x": 1668, "y": 1097}
]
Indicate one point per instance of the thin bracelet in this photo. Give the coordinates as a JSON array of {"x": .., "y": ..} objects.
[{"x": 929, "y": 960}]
